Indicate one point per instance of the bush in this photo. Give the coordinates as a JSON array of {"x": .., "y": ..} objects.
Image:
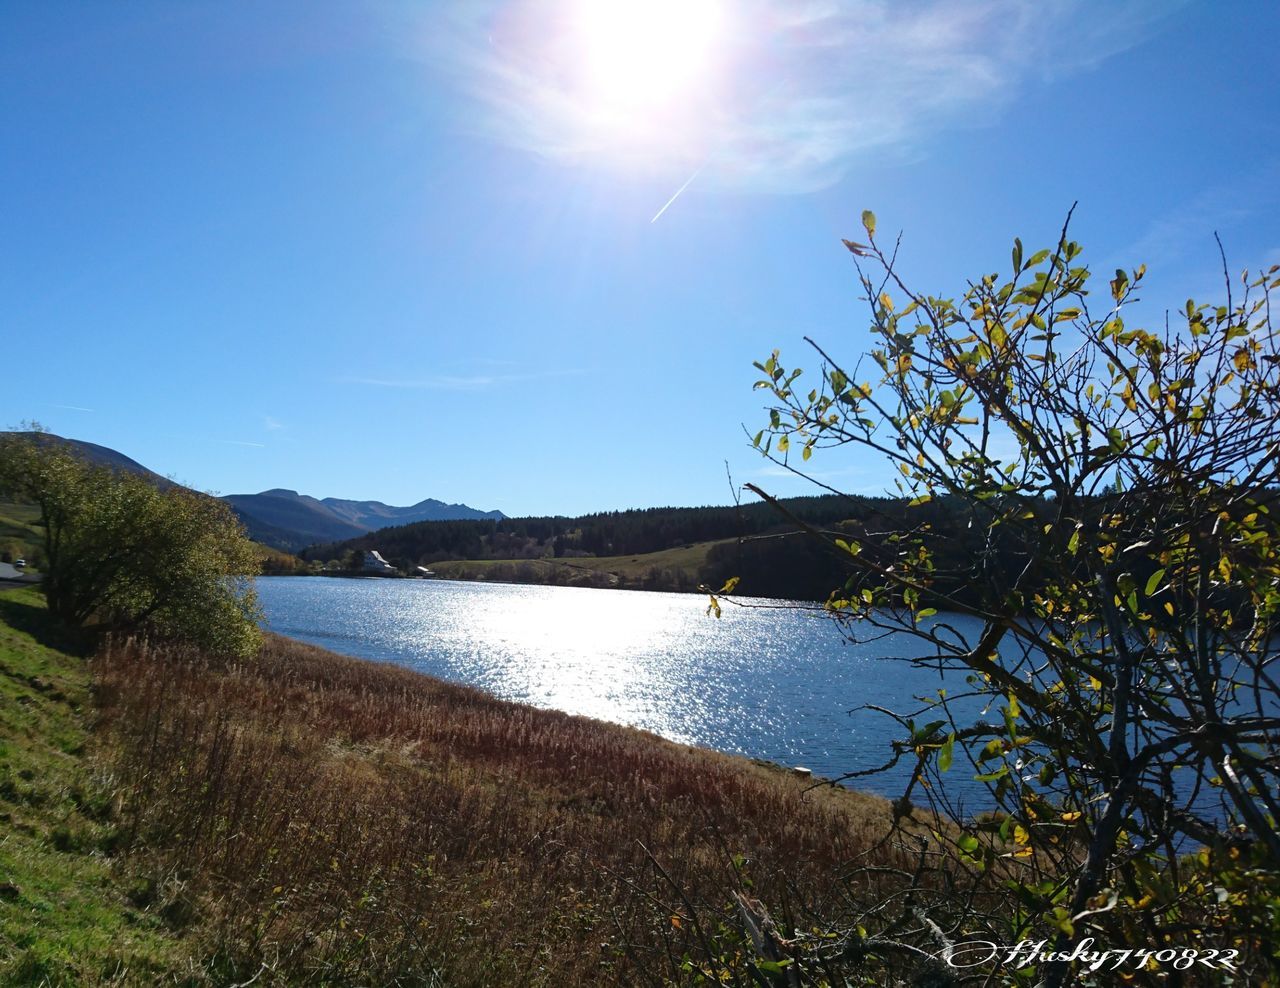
[
  {"x": 122, "y": 554},
  {"x": 1120, "y": 554}
]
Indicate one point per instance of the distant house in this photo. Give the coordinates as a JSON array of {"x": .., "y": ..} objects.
[
  {"x": 425, "y": 573},
  {"x": 374, "y": 563}
]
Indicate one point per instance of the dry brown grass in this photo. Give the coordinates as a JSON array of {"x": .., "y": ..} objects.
[{"x": 330, "y": 820}]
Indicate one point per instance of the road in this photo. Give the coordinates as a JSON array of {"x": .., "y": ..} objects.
[{"x": 11, "y": 576}]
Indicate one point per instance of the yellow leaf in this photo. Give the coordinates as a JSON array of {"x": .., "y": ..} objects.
[{"x": 1072, "y": 817}]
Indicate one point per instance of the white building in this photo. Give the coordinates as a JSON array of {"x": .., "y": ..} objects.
[{"x": 374, "y": 563}]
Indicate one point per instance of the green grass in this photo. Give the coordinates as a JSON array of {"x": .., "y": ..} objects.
[
  {"x": 18, "y": 528},
  {"x": 64, "y": 916},
  {"x": 171, "y": 816}
]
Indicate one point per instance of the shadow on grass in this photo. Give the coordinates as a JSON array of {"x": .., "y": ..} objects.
[{"x": 24, "y": 610}]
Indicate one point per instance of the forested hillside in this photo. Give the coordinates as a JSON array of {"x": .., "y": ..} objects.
[
  {"x": 765, "y": 545},
  {"x": 609, "y": 533}
]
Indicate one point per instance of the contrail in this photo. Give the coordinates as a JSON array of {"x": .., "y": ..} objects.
[{"x": 677, "y": 195}]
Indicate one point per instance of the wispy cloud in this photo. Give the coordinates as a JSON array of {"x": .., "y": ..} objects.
[
  {"x": 1188, "y": 229},
  {"x": 272, "y": 424},
  {"x": 73, "y": 408},
  {"x": 444, "y": 382},
  {"x": 215, "y": 439},
  {"x": 805, "y": 87}
]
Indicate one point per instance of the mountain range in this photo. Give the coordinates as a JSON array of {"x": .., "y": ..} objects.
[
  {"x": 285, "y": 519},
  {"x": 307, "y": 520}
]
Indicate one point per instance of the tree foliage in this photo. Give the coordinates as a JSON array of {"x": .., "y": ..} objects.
[
  {"x": 1122, "y": 561},
  {"x": 121, "y": 553}
]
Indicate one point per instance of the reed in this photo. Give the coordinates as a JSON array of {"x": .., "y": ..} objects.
[{"x": 330, "y": 820}]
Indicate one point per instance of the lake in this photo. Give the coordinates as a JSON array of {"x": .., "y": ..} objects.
[{"x": 768, "y": 680}]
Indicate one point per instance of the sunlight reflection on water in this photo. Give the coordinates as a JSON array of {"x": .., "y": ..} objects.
[{"x": 769, "y": 682}]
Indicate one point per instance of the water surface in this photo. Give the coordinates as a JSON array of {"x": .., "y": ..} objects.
[{"x": 768, "y": 680}]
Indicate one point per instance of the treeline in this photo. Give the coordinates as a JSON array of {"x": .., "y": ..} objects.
[
  {"x": 607, "y": 533},
  {"x": 768, "y": 546}
]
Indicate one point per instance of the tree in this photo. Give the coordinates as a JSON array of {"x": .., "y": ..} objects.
[
  {"x": 122, "y": 554},
  {"x": 1122, "y": 567}
]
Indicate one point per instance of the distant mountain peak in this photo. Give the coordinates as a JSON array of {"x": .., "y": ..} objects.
[
  {"x": 334, "y": 519},
  {"x": 283, "y": 518}
]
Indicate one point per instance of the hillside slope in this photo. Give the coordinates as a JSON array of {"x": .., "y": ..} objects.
[
  {"x": 315, "y": 819},
  {"x": 66, "y": 916},
  {"x": 284, "y": 519}
]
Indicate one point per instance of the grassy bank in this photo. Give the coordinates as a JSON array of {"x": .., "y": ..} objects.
[
  {"x": 65, "y": 918},
  {"x": 338, "y": 821},
  {"x": 307, "y": 818}
]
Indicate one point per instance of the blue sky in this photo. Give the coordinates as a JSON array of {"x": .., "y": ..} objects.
[{"x": 399, "y": 251}]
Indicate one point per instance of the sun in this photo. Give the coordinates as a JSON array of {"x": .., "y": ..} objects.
[{"x": 641, "y": 60}]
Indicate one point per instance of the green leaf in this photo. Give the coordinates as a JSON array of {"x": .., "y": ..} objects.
[
  {"x": 945, "y": 753},
  {"x": 869, "y": 222},
  {"x": 1119, "y": 284},
  {"x": 1017, "y": 255},
  {"x": 1154, "y": 582}
]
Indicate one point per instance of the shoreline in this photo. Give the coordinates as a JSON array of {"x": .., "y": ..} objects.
[{"x": 304, "y": 811}]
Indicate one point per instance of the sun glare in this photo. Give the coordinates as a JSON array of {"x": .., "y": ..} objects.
[{"x": 642, "y": 59}]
